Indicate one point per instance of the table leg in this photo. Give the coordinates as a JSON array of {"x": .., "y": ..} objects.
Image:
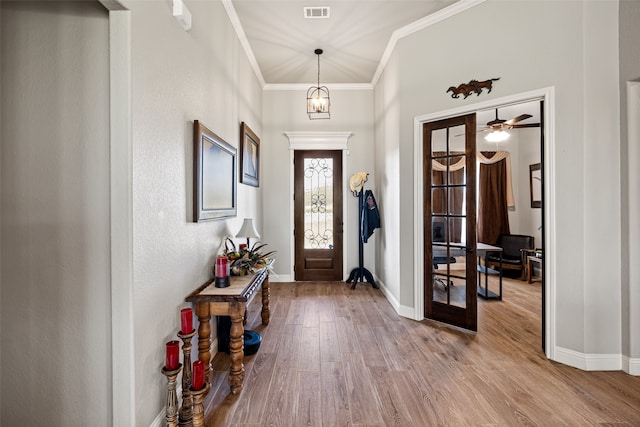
[
  {"x": 266, "y": 313},
  {"x": 204, "y": 336},
  {"x": 500, "y": 295},
  {"x": 486, "y": 276},
  {"x": 236, "y": 347}
]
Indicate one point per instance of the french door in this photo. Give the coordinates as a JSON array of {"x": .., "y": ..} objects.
[
  {"x": 449, "y": 166},
  {"x": 318, "y": 215}
]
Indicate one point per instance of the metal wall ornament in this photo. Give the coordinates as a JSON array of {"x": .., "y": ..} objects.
[
  {"x": 318, "y": 102},
  {"x": 474, "y": 86}
]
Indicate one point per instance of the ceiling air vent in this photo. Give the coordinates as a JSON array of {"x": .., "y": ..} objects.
[{"x": 316, "y": 12}]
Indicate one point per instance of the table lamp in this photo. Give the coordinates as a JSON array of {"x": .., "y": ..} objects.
[{"x": 248, "y": 230}]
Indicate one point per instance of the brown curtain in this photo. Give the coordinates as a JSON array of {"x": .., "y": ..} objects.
[
  {"x": 455, "y": 198},
  {"x": 493, "y": 214}
]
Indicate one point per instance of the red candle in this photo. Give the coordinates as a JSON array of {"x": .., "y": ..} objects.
[
  {"x": 172, "y": 361},
  {"x": 222, "y": 268},
  {"x": 186, "y": 320},
  {"x": 197, "y": 383}
]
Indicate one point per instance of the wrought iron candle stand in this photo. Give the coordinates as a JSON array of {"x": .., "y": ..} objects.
[
  {"x": 171, "y": 410},
  {"x": 186, "y": 410}
]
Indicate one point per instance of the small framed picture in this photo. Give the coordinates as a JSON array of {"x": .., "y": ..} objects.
[
  {"x": 249, "y": 156},
  {"x": 535, "y": 183}
]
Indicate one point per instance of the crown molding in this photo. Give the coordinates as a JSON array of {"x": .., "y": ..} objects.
[
  {"x": 305, "y": 86},
  {"x": 308, "y": 140},
  {"x": 235, "y": 21},
  {"x": 418, "y": 25}
]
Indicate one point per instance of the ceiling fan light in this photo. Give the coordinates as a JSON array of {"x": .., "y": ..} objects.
[{"x": 497, "y": 136}]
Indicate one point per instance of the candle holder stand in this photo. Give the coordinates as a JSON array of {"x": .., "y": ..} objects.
[
  {"x": 222, "y": 282},
  {"x": 198, "y": 407},
  {"x": 171, "y": 408},
  {"x": 186, "y": 410}
]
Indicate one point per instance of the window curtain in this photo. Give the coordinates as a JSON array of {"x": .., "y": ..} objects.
[
  {"x": 490, "y": 157},
  {"x": 495, "y": 193},
  {"x": 456, "y": 195},
  {"x": 495, "y": 196}
]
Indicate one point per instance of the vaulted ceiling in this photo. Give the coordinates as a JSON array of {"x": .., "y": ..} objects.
[{"x": 354, "y": 37}]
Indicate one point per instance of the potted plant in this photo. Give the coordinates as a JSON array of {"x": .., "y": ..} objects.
[{"x": 247, "y": 260}]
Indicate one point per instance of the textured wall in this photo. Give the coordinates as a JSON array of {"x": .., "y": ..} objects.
[
  {"x": 56, "y": 342},
  {"x": 565, "y": 47},
  {"x": 629, "y": 13},
  {"x": 284, "y": 111},
  {"x": 177, "y": 77}
]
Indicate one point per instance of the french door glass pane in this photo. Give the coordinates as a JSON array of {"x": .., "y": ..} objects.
[
  {"x": 448, "y": 189},
  {"x": 318, "y": 203}
]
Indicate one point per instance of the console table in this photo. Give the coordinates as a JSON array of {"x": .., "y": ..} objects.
[{"x": 231, "y": 301}]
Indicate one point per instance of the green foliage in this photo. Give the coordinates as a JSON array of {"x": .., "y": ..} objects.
[{"x": 247, "y": 260}]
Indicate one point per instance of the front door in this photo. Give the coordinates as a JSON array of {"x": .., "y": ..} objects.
[
  {"x": 450, "y": 221},
  {"x": 318, "y": 215}
]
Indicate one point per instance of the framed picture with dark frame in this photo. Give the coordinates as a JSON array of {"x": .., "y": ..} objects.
[
  {"x": 249, "y": 156},
  {"x": 535, "y": 185},
  {"x": 214, "y": 176}
]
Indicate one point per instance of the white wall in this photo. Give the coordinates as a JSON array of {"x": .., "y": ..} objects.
[
  {"x": 602, "y": 139},
  {"x": 56, "y": 342},
  {"x": 387, "y": 150},
  {"x": 284, "y": 111},
  {"x": 525, "y": 219},
  {"x": 178, "y": 77},
  {"x": 561, "y": 51},
  {"x": 629, "y": 15}
]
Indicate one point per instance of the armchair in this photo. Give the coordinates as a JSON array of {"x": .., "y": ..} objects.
[{"x": 514, "y": 251}]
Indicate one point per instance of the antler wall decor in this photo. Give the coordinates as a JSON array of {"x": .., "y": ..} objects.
[{"x": 467, "y": 89}]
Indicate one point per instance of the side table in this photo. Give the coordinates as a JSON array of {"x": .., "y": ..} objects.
[
  {"x": 530, "y": 261},
  {"x": 482, "y": 249}
]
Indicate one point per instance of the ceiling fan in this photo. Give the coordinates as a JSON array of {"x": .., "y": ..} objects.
[
  {"x": 499, "y": 124},
  {"x": 498, "y": 127}
]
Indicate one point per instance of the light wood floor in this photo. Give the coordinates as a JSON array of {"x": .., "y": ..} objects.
[{"x": 336, "y": 357}]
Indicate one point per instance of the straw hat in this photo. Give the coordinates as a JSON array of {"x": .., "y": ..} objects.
[{"x": 356, "y": 182}]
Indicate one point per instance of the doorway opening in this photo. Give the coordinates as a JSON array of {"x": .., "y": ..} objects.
[
  {"x": 540, "y": 221},
  {"x": 318, "y": 215},
  {"x": 308, "y": 141}
]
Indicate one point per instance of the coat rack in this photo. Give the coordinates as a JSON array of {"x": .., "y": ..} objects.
[{"x": 360, "y": 273}]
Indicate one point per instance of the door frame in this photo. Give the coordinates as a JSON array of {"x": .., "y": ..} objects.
[
  {"x": 337, "y": 141},
  {"x": 548, "y": 96},
  {"x": 123, "y": 408},
  {"x": 303, "y": 255}
]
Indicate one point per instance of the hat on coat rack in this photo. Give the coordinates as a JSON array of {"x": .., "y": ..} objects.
[{"x": 356, "y": 182}]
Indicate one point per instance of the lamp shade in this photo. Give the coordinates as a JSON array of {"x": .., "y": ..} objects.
[
  {"x": 248, "y": 230},
  {"x": 497, "y": 136}
]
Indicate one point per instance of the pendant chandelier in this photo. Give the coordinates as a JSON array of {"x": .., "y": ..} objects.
[{"x": 318, "y": 102}]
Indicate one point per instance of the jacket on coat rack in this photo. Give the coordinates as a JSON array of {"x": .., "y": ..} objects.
[{"x": 369, "y": 216}]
